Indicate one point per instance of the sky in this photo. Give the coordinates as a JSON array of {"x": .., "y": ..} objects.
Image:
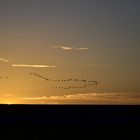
[{"x": 96, "y": 40}]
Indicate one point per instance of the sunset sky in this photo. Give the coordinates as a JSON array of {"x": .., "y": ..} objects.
[{"x": 63, "y": 39}]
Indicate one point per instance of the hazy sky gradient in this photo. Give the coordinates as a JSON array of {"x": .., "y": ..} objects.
[{"x": 107, "y": 29}]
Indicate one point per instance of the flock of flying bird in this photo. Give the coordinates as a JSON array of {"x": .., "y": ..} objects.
[{"x": 86, "y": 82}]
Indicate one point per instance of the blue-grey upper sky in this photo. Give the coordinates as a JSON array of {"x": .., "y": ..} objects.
[{"x": 86, "y": 39}]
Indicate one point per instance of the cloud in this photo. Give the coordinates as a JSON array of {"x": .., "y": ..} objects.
[
  {"x": 8, "y": 95},
  {"x": 3, "y": 60},
  {"x": 99, "y": 65},
  {"x": 35, "y": 98},
  {"x": 90, "y": 65},
  {"x": 80, "y": 49},
  {"x": 89, "y": 98},
  {"x": 68, "y": 48},
  {"x": 85, "y": 96},
  {"x": 32, "y": 66},
  {"x": 62, "y": 47}
]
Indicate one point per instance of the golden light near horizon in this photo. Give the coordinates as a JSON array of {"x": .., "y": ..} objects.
[{"x": 9, "y": 101}]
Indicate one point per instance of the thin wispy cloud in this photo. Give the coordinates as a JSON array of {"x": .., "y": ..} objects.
[
  {"x": 99, "y": 65},
  {"x": 80, "y": 49},
  {"x": 68, "y": 48},
  {"x": 8, "y": 95},
  {"x": 85, "y": 96},
  {"x": 92, "y": 98},
  {"x": 35, "y": 98},
  {"x": 62, "y": 47},
  {"x": 3, "y": 60},
  {"x": 33, "y": 66},
  {"x": 90, "y": 65}
]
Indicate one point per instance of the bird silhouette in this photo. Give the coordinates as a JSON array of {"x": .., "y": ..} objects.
[
  {"x": 78, "y": 85},
  {"x": 96, "y": 83}
]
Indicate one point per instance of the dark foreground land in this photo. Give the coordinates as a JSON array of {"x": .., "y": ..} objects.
[{"x": 70, "y": 114}]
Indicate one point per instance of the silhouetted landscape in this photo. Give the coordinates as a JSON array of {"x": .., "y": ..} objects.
[{"x": 85, "y": 115}]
